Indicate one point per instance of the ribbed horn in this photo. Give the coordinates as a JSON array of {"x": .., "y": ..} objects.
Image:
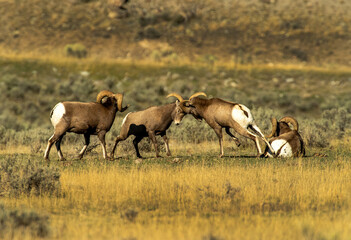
[
  {"x": 176, "y": 95},
  {"x": 119, "y": 98},
  {"x": 274, "y": 127},
  {"x": 102, "y": 94},
  {"x": 198, "y": 94},
  {"x": 291, "y": 120}
]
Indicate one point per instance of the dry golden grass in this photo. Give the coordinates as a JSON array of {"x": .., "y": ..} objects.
[
  {"x": 200, "y": 197},
  {"x": 92, "y": 63}
]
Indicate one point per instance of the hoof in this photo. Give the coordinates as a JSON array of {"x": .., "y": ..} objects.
[
  {"x": 176, "y": 160},
  {"x": 66, "y": 164},
  {"x": 110, "y": 159},
  {"x": 237, "y": 143},
  {"x": 138, "y": 161}
]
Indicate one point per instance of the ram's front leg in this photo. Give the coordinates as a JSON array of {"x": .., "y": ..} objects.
[
  {"x": 218, "y": 131},
  {"x": 164, "y": 136},
  {"x": 152, "y": 137}
]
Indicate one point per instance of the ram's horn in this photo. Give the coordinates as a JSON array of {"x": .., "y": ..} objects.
[
  {"x": 291, "y": 120},
  {"x": 176, "y": 95},
  {"x": 119, "y": 98},
  {"x": 274, "y": 127},
  {"x": 198, "y": 94}
]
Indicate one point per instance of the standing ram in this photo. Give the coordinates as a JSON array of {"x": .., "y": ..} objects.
[
  {"x": 93, "y": 118},
  {"x": 221, "y": 114},
  {"x": 286, "y": 142},
  {"x": 149, "y": 123}
]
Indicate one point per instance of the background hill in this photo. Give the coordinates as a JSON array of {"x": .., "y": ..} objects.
[{"x": 254, "y": 31}]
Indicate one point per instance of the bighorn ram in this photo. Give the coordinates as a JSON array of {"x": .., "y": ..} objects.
[
  {"x": 93, "y": 118},
  {"x": 220, "y": 114},
  {"x": 287, "y": 142},
  {"x": 149, "y": 123}
]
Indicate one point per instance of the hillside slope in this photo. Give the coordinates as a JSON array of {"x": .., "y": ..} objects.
[{"x": 311, "y": 31}]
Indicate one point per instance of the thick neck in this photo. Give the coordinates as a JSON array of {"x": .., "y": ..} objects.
[
  {"x": 201, "y": 105},
  {"x": 112, "y": 110},
  {"x": 169, "y": 111}
]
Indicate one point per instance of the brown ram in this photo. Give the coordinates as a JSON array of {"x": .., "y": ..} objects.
[
  {"x": 149, "y": 123},
  {"x": 221, "y": 114},
  {"x": 93, "y": 118},
  {"x": 286, "y": 142}
]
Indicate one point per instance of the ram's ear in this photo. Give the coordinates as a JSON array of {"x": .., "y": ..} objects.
[
  {"x": 103, "y": 95},
  {"x": 105, "y": 100}
]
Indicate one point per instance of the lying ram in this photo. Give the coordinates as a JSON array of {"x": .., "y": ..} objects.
[
  {"x": 286, "y": 142},
  {"x": 149, "y": 123},
  {"x": 221, "y": 114},
  {"x": 93, "y": 118}
]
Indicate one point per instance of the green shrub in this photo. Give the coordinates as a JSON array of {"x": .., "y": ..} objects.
[
  {"x": 19, "y": 175},
  {"x": 150, "y": 33},
  {"x": 14, "y": 222},
  {"x": 333, "y": 125},
  {"x": 76, "y": 50}
]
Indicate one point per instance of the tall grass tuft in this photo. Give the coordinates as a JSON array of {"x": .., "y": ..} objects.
[
  {"x": 22, "y": 223},
  {"x": 20, "y": 175}
]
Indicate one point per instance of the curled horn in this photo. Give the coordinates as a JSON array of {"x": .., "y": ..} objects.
[
  {"x": 291, "y": 120},
  {"x": 119, "y": 98},
  {"x": 176, "y": 95},
  {"x": 198, "y": 94},
  {"x": 102, "y": 94},
  {"x": 274, "y": 127}
]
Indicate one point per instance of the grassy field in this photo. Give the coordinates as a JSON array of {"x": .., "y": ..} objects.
[
  {"x": 277, "y": 57},
  {"x": 193, "y": 194},
  {"x": 196, "y": 195}
]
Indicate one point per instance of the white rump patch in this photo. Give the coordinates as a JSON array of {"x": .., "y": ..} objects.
[
  {"x": 283, "y": 146},
  {"x": 124, "y": 119},
  {"x": 239, "y": 116},
  {"x": 57, "y": 114}
]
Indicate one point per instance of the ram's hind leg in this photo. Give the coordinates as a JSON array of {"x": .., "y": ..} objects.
[
  {"x": 48, "y": 147},
  {"x": 245, "y": 133},
  {"x": 236, "y": 140},
  {"x": 53, "y": 139},
  {"x": 58, "y": 148},
  {"x": 258, "y": 132}
]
